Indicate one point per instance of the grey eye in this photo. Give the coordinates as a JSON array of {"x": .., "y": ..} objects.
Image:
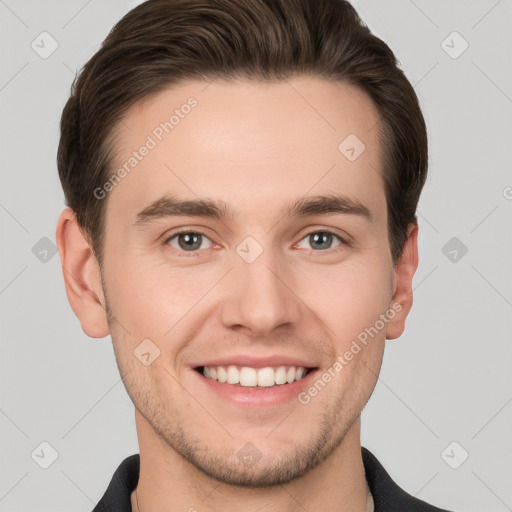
[
  {"x": 321, "y": 240},
  {"x": 188, "y": 241}
]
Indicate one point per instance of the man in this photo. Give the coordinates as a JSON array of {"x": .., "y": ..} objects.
[{"x": 242, "y": 179}]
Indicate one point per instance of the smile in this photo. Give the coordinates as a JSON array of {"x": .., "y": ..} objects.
[{"x": 245, "y": 376}]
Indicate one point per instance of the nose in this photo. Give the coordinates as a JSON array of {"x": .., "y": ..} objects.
[{"x": 260, "y": 298}]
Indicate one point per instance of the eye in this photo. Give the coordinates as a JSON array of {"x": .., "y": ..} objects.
[
  {"x": 188, "y": 241},
  {"x": 321, "y": 240}
]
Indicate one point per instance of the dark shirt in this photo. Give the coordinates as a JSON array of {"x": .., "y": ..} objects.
[{"x": 387, "y": 495}]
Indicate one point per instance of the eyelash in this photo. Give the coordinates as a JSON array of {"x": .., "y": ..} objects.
[{"x": 192, "y": 254}]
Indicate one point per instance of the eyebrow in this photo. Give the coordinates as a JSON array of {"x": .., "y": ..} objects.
[{"x": 169, "y": 206}]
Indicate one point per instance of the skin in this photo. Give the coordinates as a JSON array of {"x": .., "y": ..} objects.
[{"x": 256, "y": 146}]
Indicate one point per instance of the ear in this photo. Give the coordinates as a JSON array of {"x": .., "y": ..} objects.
[
  {"x": 82, "y": 276},
  {"x": 405, "y": 269}
]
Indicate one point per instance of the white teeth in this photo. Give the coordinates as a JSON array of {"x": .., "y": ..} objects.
[
  {"x": 251, "y": 377},
  {"x": 222, "y": 376},
  {"x": 233, "y": 375},
  {"x": 248, "y": 377},
  {"x": 281, "y": 375},
  {"x": 266, "y": 377}
]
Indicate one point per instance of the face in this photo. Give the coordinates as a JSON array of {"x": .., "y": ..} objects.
[{"x": 249, "y": 281}]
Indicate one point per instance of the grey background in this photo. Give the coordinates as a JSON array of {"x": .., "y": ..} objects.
[{"x": 448, "y": 378}]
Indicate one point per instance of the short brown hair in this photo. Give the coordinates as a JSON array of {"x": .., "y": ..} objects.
[{"x": 162, "y": 42}]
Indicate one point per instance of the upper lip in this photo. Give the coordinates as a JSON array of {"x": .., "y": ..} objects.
[{"x": 258, "y": 362}]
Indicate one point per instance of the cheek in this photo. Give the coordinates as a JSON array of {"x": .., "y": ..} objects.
[
  {"x": 151, "y": 299},
  {"x": 350, "y": 297}
]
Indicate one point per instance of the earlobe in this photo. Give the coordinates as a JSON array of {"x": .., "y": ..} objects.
[
  {"x": 405, "y": 269},
  {"x": 82, "y": 276}
]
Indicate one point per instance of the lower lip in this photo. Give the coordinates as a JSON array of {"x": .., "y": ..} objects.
[{"x": 273, "y": 396}]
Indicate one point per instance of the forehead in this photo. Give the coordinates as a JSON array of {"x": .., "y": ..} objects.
[{"x": 249, "y": 142}]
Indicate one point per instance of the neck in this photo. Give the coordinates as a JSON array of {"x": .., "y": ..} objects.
[{"x": 169, "y": 482}]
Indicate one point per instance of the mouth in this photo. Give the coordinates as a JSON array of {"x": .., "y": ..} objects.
[{"x": 255, "y": 378}]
